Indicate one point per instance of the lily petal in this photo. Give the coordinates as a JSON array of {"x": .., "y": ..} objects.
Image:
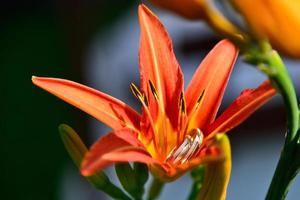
[
  {"x": 208, "y": 155},
  {"x": 117, "y": 146},
  {"x": 249, "y": 101},
  {"x": 112, "y": 112},
  {"x": 211, "y": 77},
  {"x": 158, "y": 64}
]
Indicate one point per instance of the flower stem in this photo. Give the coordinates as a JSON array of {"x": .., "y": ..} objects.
[
  {"x": 197, "y": 175},
  {"x": 269, "y": 62},
  {"x": 287, "y": 166},
  {"x": 155, "y": 189},
  {"x": 286, "y": 88},
  {"x": 284, "y": 174}
]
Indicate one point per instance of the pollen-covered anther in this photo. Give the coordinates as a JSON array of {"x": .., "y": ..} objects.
[
  {"x": 199, "y": 101},
  {"x": 137, "y": 93},
  {"x": 187, "y": 149},
  {"x": 182, "y": 105},
  {"x": 153, "y": 90}
]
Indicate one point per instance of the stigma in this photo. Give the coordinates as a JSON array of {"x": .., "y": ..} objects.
[{"x": 188, "y": 148}]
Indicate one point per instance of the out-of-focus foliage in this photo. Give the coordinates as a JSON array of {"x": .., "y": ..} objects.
[{"x": 192, "y": 9}]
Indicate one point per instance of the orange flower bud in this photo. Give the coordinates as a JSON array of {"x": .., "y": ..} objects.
[{"x": 275, "y": 20}]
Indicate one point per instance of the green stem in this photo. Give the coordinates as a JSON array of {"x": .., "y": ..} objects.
[
  {"x": 287, "y": 167},
  {"x": 284, "y": 175},
  {"x": 271, "y": 64},
  {"x": 197, "y": 176},
  {"x": 194, "y": 191},
  {"x": 155, "y": 189},
  {"x": 286, "y": 88}
]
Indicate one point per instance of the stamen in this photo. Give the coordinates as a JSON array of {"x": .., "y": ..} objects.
[
  {"x": 137, "y": 93},
  {"x": 182, "y": 105},
  {"x": 143, "y": 99},
  {"x": 153, "y": 89},
  {"x": 182, "y": 118},
  {"x": 199, "y": 101},
  {"x": 187, "y": 149},
  {"x": 146, "y": 100},
  {"x": 193, "y": 114}
]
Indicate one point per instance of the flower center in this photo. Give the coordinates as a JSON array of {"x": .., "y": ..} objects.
[{"x": 190, "y": 145}]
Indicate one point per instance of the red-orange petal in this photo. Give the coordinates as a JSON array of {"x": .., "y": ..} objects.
[
  {"x": 118, "y": 146},
  {"x": 169, "y": 172},
  {"x": 249, "y": 101},
  {"x": 211, "y": 76},
  {"x": 112, "y": 112},
  {"x": 158, "y": 64}
]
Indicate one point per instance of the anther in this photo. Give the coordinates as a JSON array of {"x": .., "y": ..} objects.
[
  {"x": 182, "y": 105},
  {"x": 153, "y": 89},
  {"x": 137, "y": 93},
  {"x": 199, "y": 101}
]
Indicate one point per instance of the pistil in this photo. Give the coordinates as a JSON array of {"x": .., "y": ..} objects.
[{"x": 188, "y": 148}]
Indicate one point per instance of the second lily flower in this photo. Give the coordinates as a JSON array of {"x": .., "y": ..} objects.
[{"x": 173, "y": 133}]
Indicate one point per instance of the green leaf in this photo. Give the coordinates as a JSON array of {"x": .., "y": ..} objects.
[
  {"x": 141, "y": 173},
  {"x": 133, "y": 178},
  {"x": 77, "y": 149},
  {"x": 197, "y": 175}
]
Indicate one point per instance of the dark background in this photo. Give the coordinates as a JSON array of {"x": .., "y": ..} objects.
[{"x": 43, "y": 38}]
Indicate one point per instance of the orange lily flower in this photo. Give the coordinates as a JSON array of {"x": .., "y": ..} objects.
[{"x": 173, "y": 133}]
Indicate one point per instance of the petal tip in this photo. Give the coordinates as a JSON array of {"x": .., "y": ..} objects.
[
  {"x": 34, "y": 78},
  {"x": 85, "y": 172},
  {"x": 227, "y": 42},
  {"x": 143, "y": 10},
  {"x": 141, "y": 6}
]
